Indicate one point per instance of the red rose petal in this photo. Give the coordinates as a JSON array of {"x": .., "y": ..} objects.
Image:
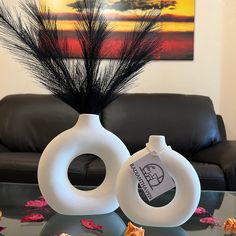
[
  {"x": 200, "y": 211},
  {"x": 2, "y": 228},
  {"x": 32, "y": 217},
  {"x": 36, "y": 203},
  {"x": 209, "y": 220},
  {"x": 89, "y": 224}
]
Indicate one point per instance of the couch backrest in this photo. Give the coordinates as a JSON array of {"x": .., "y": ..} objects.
[
  {"x": 187, "y": 121},
  {"x": 28, "y": 122}
]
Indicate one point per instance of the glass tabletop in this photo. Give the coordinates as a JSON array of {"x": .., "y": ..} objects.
[{"x": 14, "y": 196}]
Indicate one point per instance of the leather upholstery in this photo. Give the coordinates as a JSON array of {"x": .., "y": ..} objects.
[
  {"x": 221, "y": 127},
  {"x": 223, "y": 155},
  {"x": 29, "y": 122},
  {"x": 210, "y": 175},
  {"x": 22, "y": 167},
  {"x": 187, "y": 121},
  {"x": 3, "y": 148}
]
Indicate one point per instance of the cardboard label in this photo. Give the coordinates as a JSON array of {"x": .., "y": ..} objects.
[{"x": 152, "y": 176}]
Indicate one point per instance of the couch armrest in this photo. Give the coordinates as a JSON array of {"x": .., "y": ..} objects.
[
  {"x": 221, "y": 127},
  {"x": 224, "y": 155}
]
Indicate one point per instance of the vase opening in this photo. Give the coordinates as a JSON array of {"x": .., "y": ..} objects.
[
  {"x": 95, "y": 164},
  {"x": 156, "y": 143}
]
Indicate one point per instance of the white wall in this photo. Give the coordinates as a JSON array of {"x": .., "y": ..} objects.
[
  {"x": 227, "y": 95},
  {"x": 212, "y": 73},
  {"x": 13, "y": 77}
]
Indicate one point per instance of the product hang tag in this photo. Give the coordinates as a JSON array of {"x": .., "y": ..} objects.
[{"x": 152, "y": 175}]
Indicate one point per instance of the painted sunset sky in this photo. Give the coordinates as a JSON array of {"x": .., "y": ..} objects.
[{"x": 176, "y": 23}]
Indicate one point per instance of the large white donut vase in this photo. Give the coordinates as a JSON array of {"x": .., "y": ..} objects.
[
  {"x": 186, "y": 198},
  {"x": 87, "y": 136}
]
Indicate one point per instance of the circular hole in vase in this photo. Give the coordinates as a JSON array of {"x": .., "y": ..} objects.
[
  {"x": 86, "y": 172},
  {"x": 159, "y": 201}
]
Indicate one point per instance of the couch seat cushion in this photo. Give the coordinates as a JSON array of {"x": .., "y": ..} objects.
[
  {"x": 22, "y": 167},
  {"x": 211, "y": 176}
]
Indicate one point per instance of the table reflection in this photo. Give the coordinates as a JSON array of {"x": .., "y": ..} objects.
[
  {"x": 173, "y": 231},
  {"x": 112, "y": 223}
]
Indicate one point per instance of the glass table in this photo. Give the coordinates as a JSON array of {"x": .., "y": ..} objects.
[{"x": 13, "y": 197}]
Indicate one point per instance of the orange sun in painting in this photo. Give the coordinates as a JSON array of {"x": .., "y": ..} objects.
[{"x": 176, "y": 22}]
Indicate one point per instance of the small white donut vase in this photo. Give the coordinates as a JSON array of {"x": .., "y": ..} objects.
[
  {"x": 87, "y": 136},
  {"x": 187, "y": 194}
]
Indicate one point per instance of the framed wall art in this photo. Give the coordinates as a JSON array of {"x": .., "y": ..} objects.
[{"x": 176, "y": 24}]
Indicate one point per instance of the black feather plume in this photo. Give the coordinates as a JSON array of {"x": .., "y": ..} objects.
[{"x": 84, "y": 84}]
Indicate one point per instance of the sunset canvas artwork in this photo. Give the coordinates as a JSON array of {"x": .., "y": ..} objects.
[{"x": 176, "y": 25}]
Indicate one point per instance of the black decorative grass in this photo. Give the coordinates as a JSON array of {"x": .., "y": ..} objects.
[{"x": 84, "y": 84}]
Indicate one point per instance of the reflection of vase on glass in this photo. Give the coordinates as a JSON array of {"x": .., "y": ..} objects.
[
  {"x": 174, "y": 231},
  {"x": 84, "y": 84},
  {"x": 112, "y": 225},
  {"x": 187, "y": 193}
]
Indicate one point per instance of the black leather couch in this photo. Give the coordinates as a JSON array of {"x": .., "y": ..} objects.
[{"x": 28, "y": 122}]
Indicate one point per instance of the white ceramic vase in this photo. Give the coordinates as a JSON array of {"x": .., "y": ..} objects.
[
  {"x": 187, "y": 194},
  {"x": 87, "y": 136}
]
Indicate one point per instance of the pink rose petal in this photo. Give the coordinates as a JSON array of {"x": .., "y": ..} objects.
[
  {"x": 209, "y": 220},
  {"x": 89, "y": 224},
  {"x": 200, "y": 211},
  {"x": 2, "y": 228},
  {"x": 32, "y": 217},
  {"x": 36, "y": 203}
]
